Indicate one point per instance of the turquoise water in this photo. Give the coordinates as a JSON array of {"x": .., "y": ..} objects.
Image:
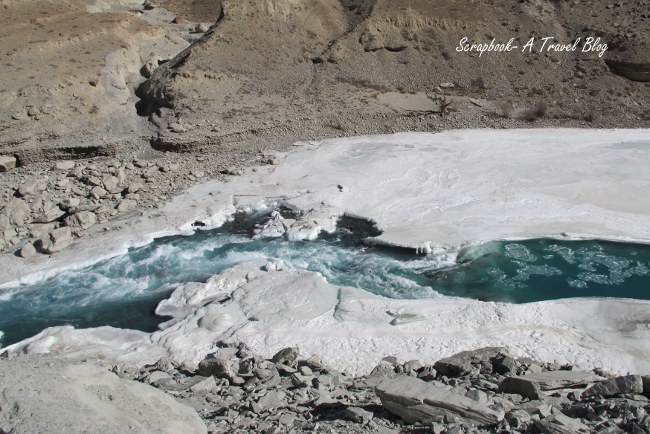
[{"x": 123, "y": 291}]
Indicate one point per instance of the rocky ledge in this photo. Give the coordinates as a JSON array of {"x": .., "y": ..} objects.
[{"x": 486, "y": 390}]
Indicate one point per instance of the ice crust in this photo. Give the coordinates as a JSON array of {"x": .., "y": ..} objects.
[{"x": 427, "y": 191}]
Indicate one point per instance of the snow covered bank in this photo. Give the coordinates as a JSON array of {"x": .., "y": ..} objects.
[{"x": 427, "y": 191}]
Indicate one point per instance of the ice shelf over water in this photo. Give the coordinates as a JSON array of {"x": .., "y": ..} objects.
[{"x": 427, "y": 191}]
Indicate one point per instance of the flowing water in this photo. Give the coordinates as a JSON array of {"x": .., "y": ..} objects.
[{"x": 123, "y": 291}]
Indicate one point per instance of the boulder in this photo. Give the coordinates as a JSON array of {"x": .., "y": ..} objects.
[
  {"x": 111, "y": 184},
  {"x": 56, "y": 240},
  {"x": 49, "y": 215},
  {"x": 205, "y": 385},
  {"x": 16, "y": 211},
  {"x": 470, "y": 362},
  {"x": 127, "y": 205},
  {"x": 27, "y": 251},
  {"x": 219, "y": 368},
  {"x": 46, "y": 394},
  {"x": 7, "y": 162},
  {"x": 31, "y": 189},
  {"x": 82, "y": 219},
  {"x": 415, "y": 401},
  {"x": 616, "y": 386},
  {"x": 530, "y": 386},
  {"x": 358, "y": 415},
  {"x": 64, "y": 165},
  {"x": 286, "y": 356},
  {"x": 558, "y": 423}
]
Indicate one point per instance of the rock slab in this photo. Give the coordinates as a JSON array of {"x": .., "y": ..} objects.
[
  {"x": 42, "y": 394},
  {"x": 416, "y": 401}
]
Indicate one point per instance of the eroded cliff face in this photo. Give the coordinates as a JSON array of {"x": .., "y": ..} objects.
[
  {"x": 69, "y": 71},
  {"x": 308, "y": 67}
]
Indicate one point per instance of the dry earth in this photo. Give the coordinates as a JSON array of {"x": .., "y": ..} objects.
[{"x": 123, "y": 87}]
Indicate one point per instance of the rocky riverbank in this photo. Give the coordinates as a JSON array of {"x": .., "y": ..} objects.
[{"x": 235, "y": 390}]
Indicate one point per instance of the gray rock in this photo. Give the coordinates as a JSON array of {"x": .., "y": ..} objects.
[
  {"x": 127, "y": 205},
  {"x": 415, "y": 400},
  {"x": 46, "y": 394},
  {"x": 518, "y": 419},
  {"x": 358, "y": 415},
  {"x": 50, "y": 215},
  {"x": 16, "y": 211},
  {"x": 201, "y": 28},
  {"x": 219, "y": 368},
  {"x": 205, "y": 385},
  {"x": 286, "y": 356},
  {"x": 111, "y": 184},
  {"x": 558, "y": 423},
  {"x": 271, "y": 400},
  {"x": 413, "y": 366},
  {"x": 615, "y": 387},
  {"x": 94, "y": 181},
  {"x": 69, "y": 203},
  {"x": 83, "y": 220},
  {"x": 7, "y": 162},
  {"x": 27, "y": 251},
  {"x": 177, "y": 127},
  {"x": 31, "y": 189},
  {"x": 64, "y": 165},
  {"x": 470, "y": 362},
  {"x": 97, "y": 192},
  {"x": 646, "y": 385},
  {"x": 225, "y": 353},
  {"x": 56, "y": 240},
  {"x": 530, "y": 386},
  {"x": 158, "y": 376}
]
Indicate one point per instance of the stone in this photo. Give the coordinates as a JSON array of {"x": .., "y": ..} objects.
[
  {"x": 127, "y": 205},
  {"x": 286, "y": 356},
  {"x": 206, "y": 385},
  {"x": 616, "y": 386},
  {"x": 177, "y": 127},
  {"x": 97, "y": 192},
  {"x": 225, "y": 353},
  {"x": 219, "y": 368},
  {"x": 157, "y": 376},
  {"x": 232, "y": 170},
  {"x": 111, "y": 184},
  {"x": 558, "y": 423},
  {"x": 56, "y": 240},
  {"x": 413, "y": 366},
  {"x": 94, "y": 181},
  {"x": 470, "y": 362},
  {"x": 69, "y": 203},
  {"x": 530, "y": 386},
  {"x": 83, "y": 220},
  {"x": 646, "y": 385},
  {"x": 201, "y": 28},
  {"x": 56, "y": 395},
  {"x": 16, "y": 211},
  {"x": 7, "y": 162},
  {"x": 518, "y": 419},
  {"x": 27, "y": 251},
  {"x": 50, "y": 215},
  {"x": 358, "y": 415},
  {"x": 149, "y": 67},
  {"x": 134, "y": 187},
  {"x": 415, "y": 401},
  {"x": 273, "y": 399},
  {"x": 64, "y": 165},
  {"x": 31, "y": 189}
]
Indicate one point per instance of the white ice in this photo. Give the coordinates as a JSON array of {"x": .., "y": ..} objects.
[{"x": 427, "y": 191}]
